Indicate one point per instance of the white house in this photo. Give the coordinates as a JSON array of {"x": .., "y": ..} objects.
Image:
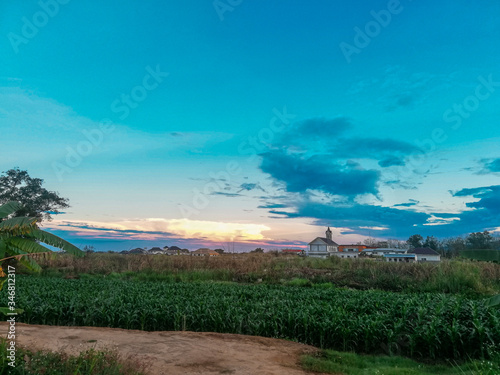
[
  {"x": 425, "y": 254},
  {"x": 155, "y": 250},
  {"x": 407, "y": 258},
  {"x": 420, "y": 254},
  {"x": 323, "y": 247},
  {"x": 346, "y": 254}
]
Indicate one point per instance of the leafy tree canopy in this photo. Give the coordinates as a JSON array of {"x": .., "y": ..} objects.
[
  {"x": 415, "y": 241},
  {"x": 17, "y": 185},
  {"x": 431, "y": 242},
  {"x": 257, "y": 250},
  {"x": 21, "y": 238},
  {"x": 479, "y": 240}
]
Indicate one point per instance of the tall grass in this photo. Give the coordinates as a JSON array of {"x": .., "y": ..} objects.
[
  {"x": 88, "y": 362},
  {"x": 469, "y": 277}
]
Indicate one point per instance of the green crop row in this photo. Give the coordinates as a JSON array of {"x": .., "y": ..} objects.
[{"x": 415, "y": 325}]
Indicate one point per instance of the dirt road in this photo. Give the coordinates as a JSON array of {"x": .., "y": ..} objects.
[{"x": 173, "y": 353}]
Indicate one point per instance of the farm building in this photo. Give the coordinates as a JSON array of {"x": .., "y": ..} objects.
[
  {"x": 351, "y": 248},
  {"x": 383, "y": 250},
  {"x": 346, "y": 254},
  {"x": 205, "y": 252},
  {"x": 425, "y": 254},
  {"x": 323, "y": 247},
  {"x": 408, "y": 258}
]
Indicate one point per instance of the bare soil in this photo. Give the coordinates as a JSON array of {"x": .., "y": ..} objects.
[{"x": 173, "y": 353}]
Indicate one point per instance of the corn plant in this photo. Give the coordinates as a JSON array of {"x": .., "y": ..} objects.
[{"x": 416, "y": 325}]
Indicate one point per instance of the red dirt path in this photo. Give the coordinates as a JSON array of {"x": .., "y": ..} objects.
[{"x": 173, "y": 353}]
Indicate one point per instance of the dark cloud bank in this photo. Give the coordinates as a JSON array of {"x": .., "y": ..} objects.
[{"x": 317, "y": 155}]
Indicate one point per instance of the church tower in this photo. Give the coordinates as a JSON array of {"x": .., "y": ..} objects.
[{"x": 329, "y": 233}]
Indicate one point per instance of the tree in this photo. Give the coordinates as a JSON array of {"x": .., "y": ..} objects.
[
  {"x": 258, "y": 250},
  {"x": 495, "y": 244},
  {"x": 88, "y": 249},
  {"x": 479, "y": 240},
  {"x": 371, "y": 242},
  {"x": 453, "y": 246},
  {"x": 220, "y": 251},
  {"x": 396, "y": 244},
  {"x": 431, "y": 242},
  {"x": 20, "y": 237},
  {"x": 17, "y": 185},
  {"x": 415, "y": 241}
]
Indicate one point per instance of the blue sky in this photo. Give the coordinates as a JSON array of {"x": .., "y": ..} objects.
[{"x": 212, "y": 122}]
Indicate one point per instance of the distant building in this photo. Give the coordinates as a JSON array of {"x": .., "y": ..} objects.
[
  {"x": 346, "y": 254},
  {"x": 155, "y": 250},
  {"x": 383, "y": 250},
  {"x": 425, "y": 254},
  {"x": 323, "y": 247},
  {"x": 205, "y": 252},
  {"x": 408, "y": 258},
  {"x": 177, "y": 251},
  {"x": 351, "y": 248},
  {"x": 420, "y": 254}
]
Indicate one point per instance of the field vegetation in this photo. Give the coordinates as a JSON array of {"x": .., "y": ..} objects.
[
  {"x": 89, "y": 362},
  {"x": 472, "y": 278},
  {"x": 364, "y": 313},
  {"x": 333, "y": 362},
  {"x": 417, "y": 325}
]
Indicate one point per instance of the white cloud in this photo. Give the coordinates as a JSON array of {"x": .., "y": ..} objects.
[{"x": 435, "y": 220}]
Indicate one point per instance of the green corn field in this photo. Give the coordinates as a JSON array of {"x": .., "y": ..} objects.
[{"x": 435, "y": 326}]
